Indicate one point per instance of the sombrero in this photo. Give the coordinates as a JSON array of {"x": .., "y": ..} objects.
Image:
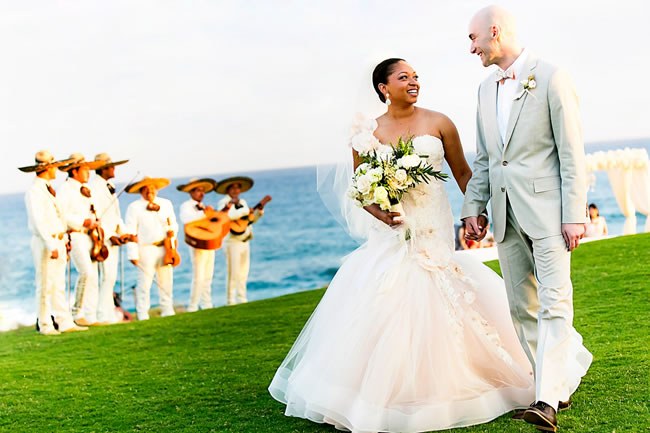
[
  {"x": 207, "y": 185},
  {"x": 78, "y": 160},
  {"x": 44, "y": 160},
  {"x": 107, "y": 161},
  {"x": 245, "y": 182},
  {"x": 157, "y": 182}
]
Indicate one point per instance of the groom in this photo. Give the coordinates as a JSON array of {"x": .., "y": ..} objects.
[{"x": 530, "y": 163}]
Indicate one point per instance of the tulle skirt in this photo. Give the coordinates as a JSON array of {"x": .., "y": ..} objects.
[{"x": 405, "y": 341}]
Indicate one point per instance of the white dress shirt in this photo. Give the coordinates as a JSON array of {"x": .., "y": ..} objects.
[
  {"x": 150, "y": 226},
  {"x": 74, "y": 205},
  {"x": 507, "y": 92},
  {"x": 44, "y": 216},
  {"x": 107, "y": 206},
  {"x": 190, "y": 212}
]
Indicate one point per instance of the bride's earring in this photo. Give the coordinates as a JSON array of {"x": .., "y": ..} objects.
[{"x": 387, "y": 99}]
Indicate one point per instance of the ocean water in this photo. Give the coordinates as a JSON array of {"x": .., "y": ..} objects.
[{"x": 297, "y": 245}]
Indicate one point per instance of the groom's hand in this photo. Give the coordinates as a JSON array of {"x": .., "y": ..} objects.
[
  {"x": 475, "y": 228},
  {"x": 572, "y": 234}
]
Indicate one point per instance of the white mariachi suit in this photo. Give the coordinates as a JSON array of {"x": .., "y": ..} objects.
[
  {"x": 48, "y": 228},
  {"x": 237, "y": 250},
  {"x": 108, "y": 211},
  {"x": 151, "y": 228},
  {"x": 530, "y": 164},
  {"x": 77, "y": 208},
  {"x": 202, "y": 261}
]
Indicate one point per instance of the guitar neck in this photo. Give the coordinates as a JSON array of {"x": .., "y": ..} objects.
[{"x": 262, "y": 203}]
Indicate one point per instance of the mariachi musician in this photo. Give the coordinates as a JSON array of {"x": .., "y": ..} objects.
[
  {"x": 237, "y": 248},
  {"x": 152, "y": 220},
  {"x": 82, "y": 224},
  {"x": 108, "y": 208},
  {"x": 202, "y": 259},
  {"x": 48, "y": 244}
]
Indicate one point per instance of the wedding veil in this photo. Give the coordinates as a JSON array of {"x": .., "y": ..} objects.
[{"x": 334, "y": 177}]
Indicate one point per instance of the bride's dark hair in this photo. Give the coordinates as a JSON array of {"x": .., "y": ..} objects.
[{"x": 381, "y": 73}]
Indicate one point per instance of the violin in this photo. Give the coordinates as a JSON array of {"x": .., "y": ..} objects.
[
  {"x": 171, "y": 254},
  {"x": 98, "y": 251}
]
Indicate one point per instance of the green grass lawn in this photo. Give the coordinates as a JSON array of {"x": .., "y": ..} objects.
[{"x": 208, "y": 371}]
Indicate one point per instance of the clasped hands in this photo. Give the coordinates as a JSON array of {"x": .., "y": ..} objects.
[{"x": 476, "y": 227}]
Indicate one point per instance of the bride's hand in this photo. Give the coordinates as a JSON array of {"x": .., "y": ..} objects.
[{"x": 389, "y": 218}]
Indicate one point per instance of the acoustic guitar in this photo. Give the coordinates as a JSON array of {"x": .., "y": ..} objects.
[
  {"x": 208, "y": 233},
  {"x": 238, "y": 227}
]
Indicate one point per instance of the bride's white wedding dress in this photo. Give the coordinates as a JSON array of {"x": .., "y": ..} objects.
[{"x": 408, "y": 336}]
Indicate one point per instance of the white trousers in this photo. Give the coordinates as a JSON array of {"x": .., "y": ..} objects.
[
  {"x": 537, "y": 275},
  {"x": 150, "y": 265},
  {"x": 50, "y": 287},
  {"x": 108, "y": 275},
  {"x": 238, "y": 265},
  {"x": 202, "y": 272},
  {"x": 87, "y": 286}
]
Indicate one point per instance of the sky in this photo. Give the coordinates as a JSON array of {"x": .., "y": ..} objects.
[{"x": 191, "y": 88}]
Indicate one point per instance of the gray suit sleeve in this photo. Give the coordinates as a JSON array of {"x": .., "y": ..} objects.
[
  {"x": 477, "y": 193},
  {"x": 567, "y": 130}
]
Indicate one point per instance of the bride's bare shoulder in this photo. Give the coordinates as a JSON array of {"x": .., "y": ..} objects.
[{"x": 433, "y": 116}]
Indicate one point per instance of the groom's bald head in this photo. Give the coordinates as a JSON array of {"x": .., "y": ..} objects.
[
  {"x": 493, "y": 32},
  {"x": 499, "y": 18}
]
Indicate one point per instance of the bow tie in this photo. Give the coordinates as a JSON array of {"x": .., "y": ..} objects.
[
  {"x": 111, "y": 188},
  {"x": 200, "y": 206},
  {"x": 84, "y": 191},
  {"x": 154, "y": 207},
  {"x": 502, "y": 75},
  {"x": 51, "y": 190}
]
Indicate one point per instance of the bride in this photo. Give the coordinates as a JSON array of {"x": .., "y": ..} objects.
[{"x": 408, "y": 337}]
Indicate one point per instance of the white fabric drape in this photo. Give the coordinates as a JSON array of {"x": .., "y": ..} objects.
[
  {"x": 621, "y": 181},
  {"x": 628, "y": 172},
  {"x": 641, "y": 194}
]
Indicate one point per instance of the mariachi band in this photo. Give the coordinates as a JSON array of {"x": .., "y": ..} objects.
[{"x": 82, "y": 222}]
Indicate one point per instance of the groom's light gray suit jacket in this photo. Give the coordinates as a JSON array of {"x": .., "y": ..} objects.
[{"x": 540, "y": 169}]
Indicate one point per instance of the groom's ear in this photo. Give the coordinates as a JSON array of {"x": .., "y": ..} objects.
[{"x": 495, "y": 31}]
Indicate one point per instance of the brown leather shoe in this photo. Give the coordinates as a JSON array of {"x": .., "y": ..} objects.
[
  {"x": 542, "y": 416},
  {"x": 564, "y": 405}
]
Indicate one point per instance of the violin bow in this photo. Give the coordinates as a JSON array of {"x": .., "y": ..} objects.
[{"x": 117, "y": 195}]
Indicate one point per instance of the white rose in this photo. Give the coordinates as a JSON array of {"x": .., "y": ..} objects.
[
  {"x": 400, "y": 176},
  {"x": 364, "y": 183},
  {"x": 376, "y": 174},
  {"x": 363, "y": 167},
  {"x": 409, "y": 161},
  {"x": 384, "y": 152},
  {"x": 381, "y": 194},
  {"x": 532, "y": 84}
]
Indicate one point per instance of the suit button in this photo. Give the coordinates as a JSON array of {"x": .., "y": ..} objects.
[
  {"x": 504, "y": 163},
  {"x": 503, "y": 189}
]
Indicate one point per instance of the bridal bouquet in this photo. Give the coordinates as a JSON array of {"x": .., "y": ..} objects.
[{"x": 387, "y": 172}]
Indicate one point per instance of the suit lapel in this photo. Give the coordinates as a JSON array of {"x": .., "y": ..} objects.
[
  {"x": 491, "y": 111},
  {"x": 518, "y": 104}
]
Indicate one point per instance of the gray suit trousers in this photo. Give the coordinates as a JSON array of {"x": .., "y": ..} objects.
[{"x": 537, "y": 274}]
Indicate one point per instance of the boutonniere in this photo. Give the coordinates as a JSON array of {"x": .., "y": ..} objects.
[{"x": 529, "y": 84}]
